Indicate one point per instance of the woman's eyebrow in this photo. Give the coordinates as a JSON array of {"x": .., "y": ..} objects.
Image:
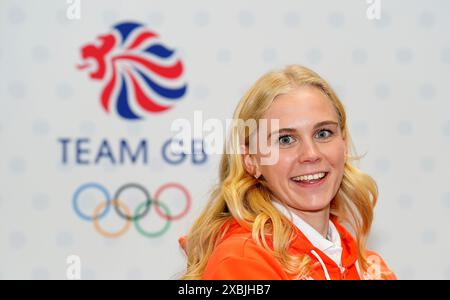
[
  {"x": 293, "y": 130},
  {"x": 282, "y": 130},
  {"x": 323, "y": 123}
]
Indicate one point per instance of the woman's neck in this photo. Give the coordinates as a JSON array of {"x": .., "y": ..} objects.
[{"x": 319, "y": 220}]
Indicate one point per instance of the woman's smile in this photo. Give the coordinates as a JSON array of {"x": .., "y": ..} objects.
[{"x": 312, "y": 180}]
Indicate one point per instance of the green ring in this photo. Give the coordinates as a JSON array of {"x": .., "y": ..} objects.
[{"x": 156, "y": 233}]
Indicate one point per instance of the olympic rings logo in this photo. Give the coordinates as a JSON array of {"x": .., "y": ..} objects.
[{"x": 123, "y": 211}]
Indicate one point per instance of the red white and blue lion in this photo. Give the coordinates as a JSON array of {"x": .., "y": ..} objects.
[{"x": 140, "y": 74}]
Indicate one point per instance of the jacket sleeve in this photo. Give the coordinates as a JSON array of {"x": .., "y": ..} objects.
[
  {"x": 242, "y": 259},
  {"x": 377, "y": 269},
  {"x": 242, "y": 268}
]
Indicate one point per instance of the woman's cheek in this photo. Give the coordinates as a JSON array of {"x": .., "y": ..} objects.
[
  {"x": 336, "y": 153},
  {"x": 279, "y": 169},
  {"x": 285, "y": 161}
]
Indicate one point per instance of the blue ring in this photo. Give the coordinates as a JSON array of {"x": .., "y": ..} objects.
[{"x": 87, "y": 186}]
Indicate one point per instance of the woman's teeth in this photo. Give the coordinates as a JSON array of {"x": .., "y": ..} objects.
[{"x": 310, "y": 177}]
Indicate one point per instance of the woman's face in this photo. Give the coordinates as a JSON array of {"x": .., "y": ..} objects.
[{"x": 310, "y": 143}]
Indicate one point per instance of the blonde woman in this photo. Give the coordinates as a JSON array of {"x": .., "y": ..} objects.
[{"x": 287, "y": 219}]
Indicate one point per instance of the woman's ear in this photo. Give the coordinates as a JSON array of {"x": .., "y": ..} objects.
[{"x": 250, "y": 164}]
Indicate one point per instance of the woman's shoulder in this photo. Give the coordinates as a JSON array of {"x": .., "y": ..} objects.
[
  {"x": 238, "y": 256},
  {"x": 240, "y": 245},
  {"x": 377, "y": 267},
  {"x": 236, "y": 245}
]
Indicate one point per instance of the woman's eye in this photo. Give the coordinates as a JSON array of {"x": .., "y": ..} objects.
[
  {"x": 323, "y": 134},
  {"x": 285, "y": 139}
]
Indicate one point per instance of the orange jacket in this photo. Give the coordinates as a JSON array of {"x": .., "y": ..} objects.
[{"x": 238, "y": 257}]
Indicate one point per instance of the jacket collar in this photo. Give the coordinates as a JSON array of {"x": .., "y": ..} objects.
[
  {"x": 333, "y": 239},
  {"x": 348, "y": 244}
]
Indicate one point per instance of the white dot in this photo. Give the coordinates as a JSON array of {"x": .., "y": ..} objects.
[
  {"x": 201, "y": 92},
  {"x": 359, "y": 56},
  {"x": 382, "y": 165},
  {"x": 446, "y": 200},
  {"x": 404, "y": 55},
  {"x": 428, "y": 236},
  {"x": 64, "y": 239},
  {"x": 17, "y": 166},
  {"x": 405, "y": 201},
  {"x": 427, "y": 164},
  {"x": 201, "y": 19},
  {"x": 314, "y": 56},
  {"x": 224, "y": 55},
  {"x": 427, "y": 91},
  {"x": 40, "y": 54},
  {"x": 360, "y": 128},
  {"x": 336, "y": 20},
  {"x": 269, "y": 55},
  {"x": 41, "y": 127},
  {"x": 17, "y": 240},
  {"x": 291, "y": 19},
  {"x": 245, "y": 18},
  {"x": 446, "y": 128},
  {"x": 17, "y": 89},
  {"x": 40, "y": 274},
  {"x": 382, "y": 91},
  {"x": 64, "y": 90},
  {"x": 426, "y": 20},
  {"x": 445, "y": 56},
  {"x": 405, "y": 127},
  {"x": 16, "y": 15},
  {"x": 40, "y": 202}
]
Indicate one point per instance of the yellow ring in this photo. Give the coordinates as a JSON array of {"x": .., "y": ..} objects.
[{"x": 105, "y": 233}]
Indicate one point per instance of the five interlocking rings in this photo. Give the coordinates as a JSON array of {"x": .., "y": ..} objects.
[{"x": 124, "y": 212}]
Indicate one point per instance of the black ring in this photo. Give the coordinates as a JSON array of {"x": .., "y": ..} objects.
[{"x": 147, "y": 203}]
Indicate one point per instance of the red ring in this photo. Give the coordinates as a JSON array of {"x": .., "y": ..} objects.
[{"x": 185, "y": 192}]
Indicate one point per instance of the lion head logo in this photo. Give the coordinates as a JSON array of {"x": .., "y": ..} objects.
[{"x": 140, "y": 75}]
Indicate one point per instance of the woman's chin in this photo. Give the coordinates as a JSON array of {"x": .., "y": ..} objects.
[{"x": 315, "y": 203}]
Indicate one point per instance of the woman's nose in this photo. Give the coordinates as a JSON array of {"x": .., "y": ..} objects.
[{"x": 309, "y": 152}]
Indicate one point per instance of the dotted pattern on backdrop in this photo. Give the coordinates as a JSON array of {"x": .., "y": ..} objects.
[{"x": 391, "y": 74}]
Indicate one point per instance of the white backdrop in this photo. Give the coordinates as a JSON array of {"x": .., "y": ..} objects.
[{"x": 392, "y": 75}]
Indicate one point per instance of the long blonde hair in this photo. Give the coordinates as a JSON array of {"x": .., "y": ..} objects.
[{"x": 240, "y": 196}]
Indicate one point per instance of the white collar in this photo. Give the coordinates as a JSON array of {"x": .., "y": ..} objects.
[{"x": 331, "y": 245}]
